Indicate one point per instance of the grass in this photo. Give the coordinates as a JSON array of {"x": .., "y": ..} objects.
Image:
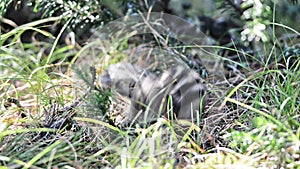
[{"x": 257, "y": 126}]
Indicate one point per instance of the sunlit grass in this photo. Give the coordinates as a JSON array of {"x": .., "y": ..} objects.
[{"x": 265, "y": 134}]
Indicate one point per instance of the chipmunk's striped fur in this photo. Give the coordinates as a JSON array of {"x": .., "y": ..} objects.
[{"x": 149, "y": 93}]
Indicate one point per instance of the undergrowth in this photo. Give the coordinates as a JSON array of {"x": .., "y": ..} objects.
[{"x": 264, "y": 133}]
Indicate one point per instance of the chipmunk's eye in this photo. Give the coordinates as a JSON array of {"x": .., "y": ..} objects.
[{"x": 131, "y": 85}]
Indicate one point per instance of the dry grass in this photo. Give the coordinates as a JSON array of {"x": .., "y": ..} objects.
[{"x": 251, "y": 119}]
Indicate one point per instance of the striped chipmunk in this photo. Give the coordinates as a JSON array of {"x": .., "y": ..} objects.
[{"x": 142, "y": 95}]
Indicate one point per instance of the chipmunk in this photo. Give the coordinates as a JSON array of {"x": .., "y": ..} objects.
[{"x": 174, "y": 93}]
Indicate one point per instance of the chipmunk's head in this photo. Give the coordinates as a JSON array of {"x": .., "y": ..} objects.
[{"x": 122, "y": 77}]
